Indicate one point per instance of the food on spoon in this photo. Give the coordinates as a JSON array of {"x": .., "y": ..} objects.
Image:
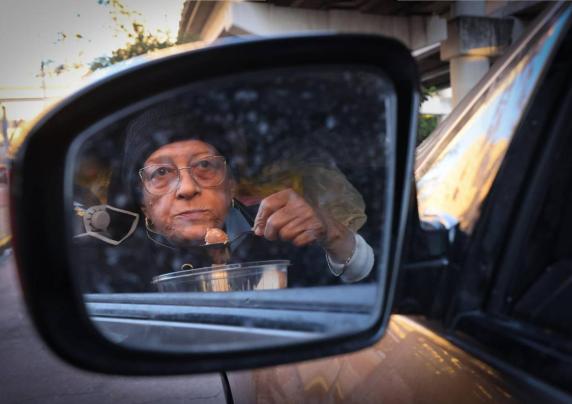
[
  {"x": 219, "y": 255},
  {"x": 215, "y": 236}
]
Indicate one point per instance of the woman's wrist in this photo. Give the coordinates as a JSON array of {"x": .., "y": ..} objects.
[
  {"x": 358, "y": 266},
  {"x": 339, "y": 242}
]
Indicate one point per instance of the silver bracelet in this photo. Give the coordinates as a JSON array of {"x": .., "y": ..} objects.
[{"x": 346, "y": 262}]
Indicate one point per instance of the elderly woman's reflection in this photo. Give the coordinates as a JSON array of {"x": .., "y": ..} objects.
[{"x": 185, "y": 188}]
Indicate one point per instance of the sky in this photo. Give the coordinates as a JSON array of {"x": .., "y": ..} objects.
[{"x": 31, "y": 32}]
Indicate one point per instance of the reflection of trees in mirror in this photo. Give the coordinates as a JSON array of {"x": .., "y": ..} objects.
[{"x": 324, "y": 135}]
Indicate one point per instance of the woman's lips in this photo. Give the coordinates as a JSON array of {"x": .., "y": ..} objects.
[{"x": 193, "y": 214}]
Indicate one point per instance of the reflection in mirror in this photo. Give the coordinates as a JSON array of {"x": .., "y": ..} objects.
[{"x": 241, "y": 212}]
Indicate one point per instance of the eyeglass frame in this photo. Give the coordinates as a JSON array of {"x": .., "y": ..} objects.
[{"x": 178, "y": 183}]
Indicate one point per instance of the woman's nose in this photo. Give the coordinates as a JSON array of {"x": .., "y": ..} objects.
[{"x": 188, "y": 187}]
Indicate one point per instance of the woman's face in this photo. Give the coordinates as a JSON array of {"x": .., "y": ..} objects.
[{"x": 185, "y": 214}]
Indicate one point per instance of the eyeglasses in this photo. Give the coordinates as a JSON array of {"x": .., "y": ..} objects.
[{"x": 160, "y": 179}]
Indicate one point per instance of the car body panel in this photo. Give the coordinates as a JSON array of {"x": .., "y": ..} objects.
[{"x": 410, "y": 364}]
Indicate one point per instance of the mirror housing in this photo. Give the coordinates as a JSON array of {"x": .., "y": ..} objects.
[{"x": 38, "y": 193}]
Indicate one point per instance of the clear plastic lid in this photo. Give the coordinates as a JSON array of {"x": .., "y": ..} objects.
[{"x": 232, "y": 270}]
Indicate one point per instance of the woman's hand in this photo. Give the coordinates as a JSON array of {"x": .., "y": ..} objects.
[{"x": 287, "y": 216}]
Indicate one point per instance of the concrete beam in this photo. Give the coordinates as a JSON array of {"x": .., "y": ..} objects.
[
  {"x": 208, "y": 20},
  {"x": 476, "y": 36},
  {"x": 471, "y": 41}
]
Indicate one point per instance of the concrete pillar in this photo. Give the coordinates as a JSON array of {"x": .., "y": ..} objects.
[
  {"x": 470, "y": 42},
  {"x": 466, "y": 71}
]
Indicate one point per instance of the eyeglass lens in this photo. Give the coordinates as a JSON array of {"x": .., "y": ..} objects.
[{"x": 164, "y": 178}]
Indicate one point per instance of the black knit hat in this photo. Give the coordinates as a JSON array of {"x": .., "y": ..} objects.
[{"x": 168, "y": 123}]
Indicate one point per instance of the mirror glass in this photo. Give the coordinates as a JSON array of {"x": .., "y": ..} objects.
[{"x": 245, "y": 211}]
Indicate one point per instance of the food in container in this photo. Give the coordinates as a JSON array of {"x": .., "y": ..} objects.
[{"x": 257, "y": 275}]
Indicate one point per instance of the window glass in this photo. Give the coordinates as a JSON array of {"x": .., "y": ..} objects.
[
  {"x": 541, "y": 292},
  {"x": 455, "y": 176}
]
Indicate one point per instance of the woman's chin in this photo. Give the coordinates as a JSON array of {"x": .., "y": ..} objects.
[{"x": 190, "y": 238}]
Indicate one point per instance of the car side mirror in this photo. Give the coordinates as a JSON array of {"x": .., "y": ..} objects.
[{"x": 229, "y": 207}]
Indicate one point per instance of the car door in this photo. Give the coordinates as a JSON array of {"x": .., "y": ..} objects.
[{"x": 469, "y": 175}]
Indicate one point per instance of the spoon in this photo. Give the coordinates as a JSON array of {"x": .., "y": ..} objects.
[{"x": 228, "y": 242}]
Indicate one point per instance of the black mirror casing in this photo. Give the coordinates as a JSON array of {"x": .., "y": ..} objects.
[{"x": 38, "y": 193}]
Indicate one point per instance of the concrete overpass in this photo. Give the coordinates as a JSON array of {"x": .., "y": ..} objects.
[{"x": 454, "y": 42}]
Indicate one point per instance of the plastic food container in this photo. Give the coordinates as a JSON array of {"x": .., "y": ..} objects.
[{"x": 259, "y": 275}]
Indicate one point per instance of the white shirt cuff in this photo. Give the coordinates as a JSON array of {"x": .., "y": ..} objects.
[{"x": 359, "y": 265}]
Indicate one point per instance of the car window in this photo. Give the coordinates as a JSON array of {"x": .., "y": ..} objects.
[
  {"x": 535, "y": 284},
  {"x": 541, "y": 291},
  {"x": 457, "y": 165}
]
